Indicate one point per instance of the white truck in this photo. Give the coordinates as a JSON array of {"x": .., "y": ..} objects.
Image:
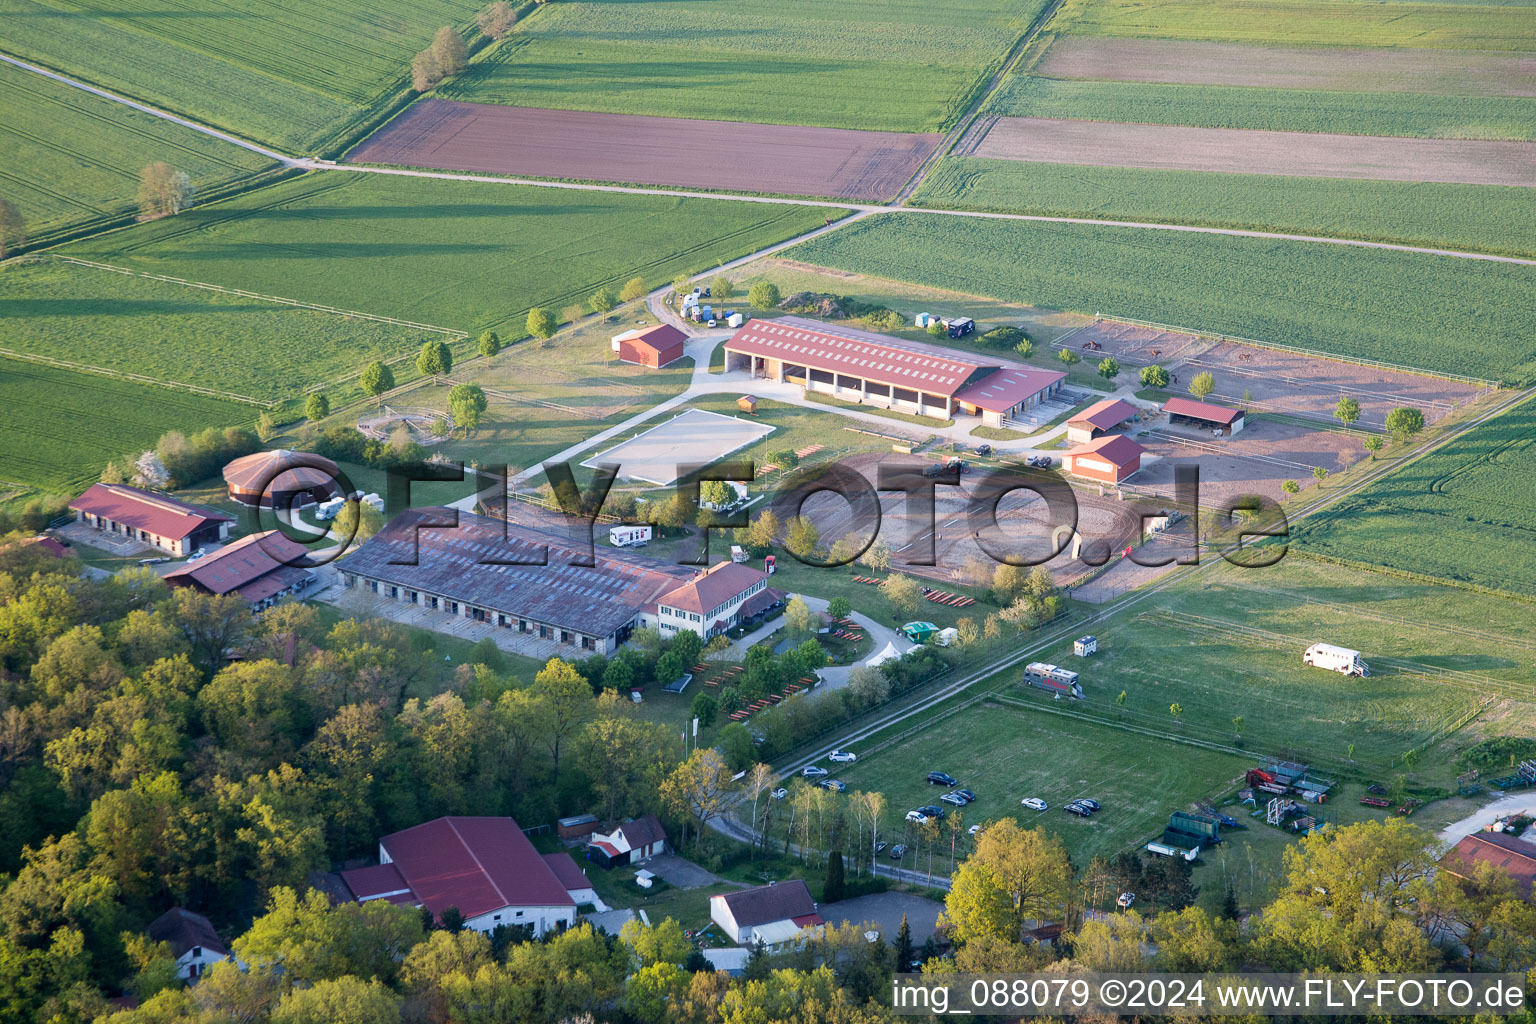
[{"x": 1336, "y": 659}]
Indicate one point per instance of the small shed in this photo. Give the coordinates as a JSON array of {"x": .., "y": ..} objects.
[
  {"x": 747, "y": 403},
  {"x": 1098, "y": 419},
  {"x": 654, "y": 347},
  {"x": 1108, "y": 460},
  {"x": 1203, "y": 415},
  {"x": 919, "y": 632},
  {"x": 576, "y": 826}
]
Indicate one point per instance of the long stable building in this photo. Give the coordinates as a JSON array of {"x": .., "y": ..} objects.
[
  {"x": 892, "y": 373},
  {"x": 173, "y": 526},
  {"x": 518, "y": 576}
]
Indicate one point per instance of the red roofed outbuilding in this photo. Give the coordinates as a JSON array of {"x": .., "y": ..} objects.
[
  {"x": 1188, "y": 412},
  {"x": 281, "y": 478},
  {"x": 1099, "y": 419},
  {"x": 175, "y": 527},
  {"x": 262, "y": 568},
  {"x": 654, "y": 346},
  {"x": 483, "y": 867},
  {"x": 1108, "y": 460}
]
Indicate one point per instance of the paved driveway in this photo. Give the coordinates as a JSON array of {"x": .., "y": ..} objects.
[
  {"x": 884, "y": 910},
  {"x": 682, "y": 873}
]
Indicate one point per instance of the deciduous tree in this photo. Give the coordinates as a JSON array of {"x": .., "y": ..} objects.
[
  {"x": 377, "y": 378},
  {"x": 497, "y": 19},
  {"x": 763, "y": 296},
  {"x": 164, "y": 190},
  {"x": 317, "y": 407},
  {"x": 1202, "y": 384}
]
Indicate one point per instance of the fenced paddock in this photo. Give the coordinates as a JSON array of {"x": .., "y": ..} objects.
[
  {"x": 691, "y": 438},
  {"x": 422, "y": 424}
]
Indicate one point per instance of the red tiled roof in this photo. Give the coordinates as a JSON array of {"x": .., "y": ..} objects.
[
  {"x": 266, "y": 470},
  {"x": 1005, "y": 388},
  {"x": 144, "y": 510},
  {"x": 765, "y": 904},
  {"x": 52, "y": 545},
  {"x": 1109, "y": 413},
  {"x": 878, "y": 357},
  {"x": 236, "y": 566},
  {"x": 1200, "y": 410},
  {"x": 808, "y": 920},
  {"x": 705, "y": 593},
  {"x": 760, "y": 600},
  {"x": 1116, "y": 448},
  {"x": 606, "y": 847},
  {"x": 567, "y": 871},
  {"x": 478, "y": 865},
  {"x": 1515, "y": 857}
]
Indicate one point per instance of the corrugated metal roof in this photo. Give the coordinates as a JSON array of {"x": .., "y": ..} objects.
[
  {"x": 595, "y": 600},
  {"x": 239, "y": 565},
  {"x": 1200, "y": 410},
  {"x": 1008, "y": 386},
  {"x": 1110, "y": 412},
  {"x": 475, "y": 864},
  {"x": 1116, "y": 448},
  {"x": 876, "y": 357}
]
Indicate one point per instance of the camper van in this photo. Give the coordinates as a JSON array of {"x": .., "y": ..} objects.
[
  {"x": 1049, "y": 677},
  {"x": 628, "y": 536},
  {"x": 1336, "y": 659}
]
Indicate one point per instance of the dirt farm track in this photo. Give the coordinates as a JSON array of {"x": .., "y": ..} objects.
[
  {"x": 1244, "y": 151},
  {"x": 489, "y": 138}
]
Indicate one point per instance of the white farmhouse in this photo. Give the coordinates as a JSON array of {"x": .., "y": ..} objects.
[{"x": 194, "y": 943}]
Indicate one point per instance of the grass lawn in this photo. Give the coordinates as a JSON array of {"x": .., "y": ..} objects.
[
  {"x": 59, "y": 428},
  {"x": 1448, "y": 26},
  {"x": 843, "y": 64},
  {"x": 1404, "y": 308},
  {"x": 1006, "y": 753},
  {"x": 264, "y": 351},
  {"x": 292, "y": 76},
  {"x": 454, "y": 254},
  {"x": 59, "y": 182},
  {"x": 1290, "y": 110},
  {"x": 688, "y": 907},
  {"x": 1462, "y": 513}
]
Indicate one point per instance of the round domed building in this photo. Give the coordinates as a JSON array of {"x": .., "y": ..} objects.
[{"x": 282, "y": 479}]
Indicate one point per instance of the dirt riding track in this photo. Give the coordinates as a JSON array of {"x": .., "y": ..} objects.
[
  {"x": 1256, "y": 461},
  {"x": 1243, "y": 151},
  {"x": 1455, "y": 72},
  {"x": 574, "y": 144}
]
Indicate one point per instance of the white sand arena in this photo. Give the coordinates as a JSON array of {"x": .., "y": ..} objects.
[{"x": 691, "y": 438}]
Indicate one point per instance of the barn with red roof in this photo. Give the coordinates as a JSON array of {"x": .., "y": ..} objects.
[
  {"x": 485, "y": 868},
  {"x": 1203, "y": 415},
  {"x": 1109, "y": 460},
  {"x": 891, "y": 373},
  {"x": 175, "y": 527},
  {"x": 262, "y": 568},
  {"x": 1099, "y": 419},
  {"x": 654, "y": 346}
]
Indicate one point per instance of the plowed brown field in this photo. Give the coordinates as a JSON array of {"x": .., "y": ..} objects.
[{"x": 573, "y": 144}]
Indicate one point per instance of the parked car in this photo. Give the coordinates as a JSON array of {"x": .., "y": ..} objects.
[
  {"x": 953, "y": 798},
  {"x": 836, "y": 785},
  {"x": 1125, "y": 900},
  {"x": 813, "y": 772},
  {"x": 974, "y": 830},
  {"x": 1039, "y": 461},
  {"x": 881, "y": 845},
  {"x": 966, "y": 794},
  {"x": 942, "y": 779},
  {"x": 1034, "y": 803},
  {"x": 898, "y": 851},
  {"x": 1078, "y": 809},
  {"x": 1092, "y": 805},
  {"x": 843, "y": 756},
  {"x": 780, "y": 793},
  {"x": 917, "y": 817},
  {"x": 933, "y": 811},
  {"x": 983, "y": 449}
]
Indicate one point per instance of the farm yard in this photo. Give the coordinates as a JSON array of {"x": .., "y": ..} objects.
[
  {"x": 264, "y": 351},
  {"x": 1479, "y": 218},
  {"x": 837, "y": 65},
  {"x": 455, "y": 254},
  {"x": 1300, "y": 154},
  {"x": 299, "y": 77},
  {"x": 1409, "y": 309},
  {"x": 61, "y": 427},
  {"x": 737, "y": 157},
  {"x": 61, "y": 181},
  {"x": 1463, "y": 513}
]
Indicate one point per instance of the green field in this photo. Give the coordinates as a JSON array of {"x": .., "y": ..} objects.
[
  {"x": 455, "y": 254},
  {"x": 1463, "y": 513},
  {"x": 294, "y": 76},
  {"x": 1439, "y": 313},
  {"x": 264, "y": 351},
  {"x": 1478, "y": 218},
  {"x": 1005, "y": 753},
  {"x": 1453, "y": 26},
  {"x": 896, "y": 65},
  {"x": 60, "y": 428},
  {"x": 73, "y": 159},
  {"x": 1294, "y": 110}
]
